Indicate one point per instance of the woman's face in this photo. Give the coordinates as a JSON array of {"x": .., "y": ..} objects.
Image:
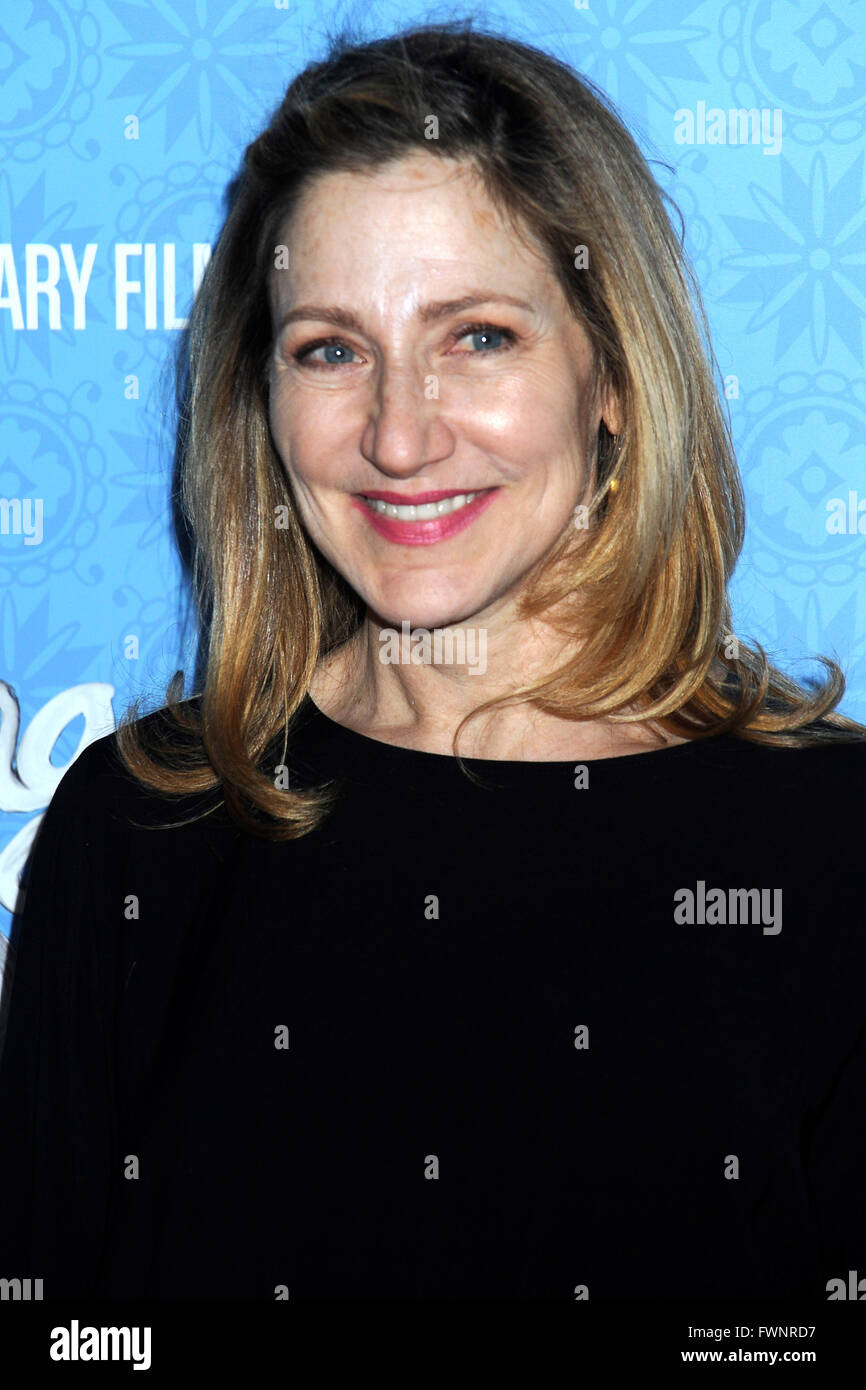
[{"x": 420, "y": 347}]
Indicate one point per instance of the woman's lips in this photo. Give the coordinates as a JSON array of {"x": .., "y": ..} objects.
[{"x": 428, "y": 532}]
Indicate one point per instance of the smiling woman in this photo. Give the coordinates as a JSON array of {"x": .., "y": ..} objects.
[
  {"x": 332, "y": 1011},
  {"x": 502, "y": 409}
]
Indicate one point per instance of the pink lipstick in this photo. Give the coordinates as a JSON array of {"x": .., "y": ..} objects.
[{"x": 441, "y": 516}]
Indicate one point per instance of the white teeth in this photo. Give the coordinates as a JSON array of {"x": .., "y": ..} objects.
[{"x": 426, "y": 511}]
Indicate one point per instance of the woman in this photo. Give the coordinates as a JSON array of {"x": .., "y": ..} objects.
[{"x": 312, "y": 1002}]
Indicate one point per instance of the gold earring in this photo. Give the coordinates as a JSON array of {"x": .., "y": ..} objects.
[{"x": 613, "y": 485}]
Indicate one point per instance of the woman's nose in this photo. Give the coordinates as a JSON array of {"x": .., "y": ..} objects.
[{"x": 406, "y": 429}]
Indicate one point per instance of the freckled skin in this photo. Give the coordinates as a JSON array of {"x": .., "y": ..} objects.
[{"x": 524, "y": 419}]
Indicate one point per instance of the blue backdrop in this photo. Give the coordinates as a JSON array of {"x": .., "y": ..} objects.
[{"x": 122, "y": 122}]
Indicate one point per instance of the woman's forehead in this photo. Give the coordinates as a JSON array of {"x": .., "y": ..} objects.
[{"x": 426, "y": 216}]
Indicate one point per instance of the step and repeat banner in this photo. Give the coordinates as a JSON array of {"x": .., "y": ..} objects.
[{"x": 122, "y": 123}]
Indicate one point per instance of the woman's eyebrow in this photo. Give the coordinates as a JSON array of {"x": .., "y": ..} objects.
[
  {"x": 440, "y": 309},
  {"x": 427, "y": 313}
]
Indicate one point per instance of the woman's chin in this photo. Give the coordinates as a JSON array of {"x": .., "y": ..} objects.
[{"x": 413, "y": 615}]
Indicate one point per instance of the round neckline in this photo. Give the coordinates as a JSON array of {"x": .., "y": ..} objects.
[{"x": 397, "y": 751}]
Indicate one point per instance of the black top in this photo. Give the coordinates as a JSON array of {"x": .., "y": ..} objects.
[{"x": 459, "y": 1041}]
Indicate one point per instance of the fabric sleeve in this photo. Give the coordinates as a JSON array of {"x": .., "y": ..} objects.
[{"x": 57, "y": 1076}]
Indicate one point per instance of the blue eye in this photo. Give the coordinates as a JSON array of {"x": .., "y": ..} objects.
[
  {"x": 340, "y": 351},
  {"x": 486, "y": 338}
]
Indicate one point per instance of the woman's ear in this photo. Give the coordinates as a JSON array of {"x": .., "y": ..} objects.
[{"x": 611, "y": 413}]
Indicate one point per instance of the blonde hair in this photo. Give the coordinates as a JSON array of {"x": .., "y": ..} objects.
[{"x": 652, "y": 571}]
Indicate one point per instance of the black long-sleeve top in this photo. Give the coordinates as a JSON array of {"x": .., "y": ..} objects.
[{"x": 460, "y": 1041}]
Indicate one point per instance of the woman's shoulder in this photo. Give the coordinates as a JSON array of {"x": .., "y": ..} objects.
[
  {"x": 98, "y": 778},
  {"x": 828, "y": 751},
  {"x": 102, "y": 754},
  {"x": 828, "y": 757},
  {"x": 812, "y": 795}
]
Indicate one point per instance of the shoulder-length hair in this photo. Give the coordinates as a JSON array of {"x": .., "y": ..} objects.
[{"x": 666, "y": 522}]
